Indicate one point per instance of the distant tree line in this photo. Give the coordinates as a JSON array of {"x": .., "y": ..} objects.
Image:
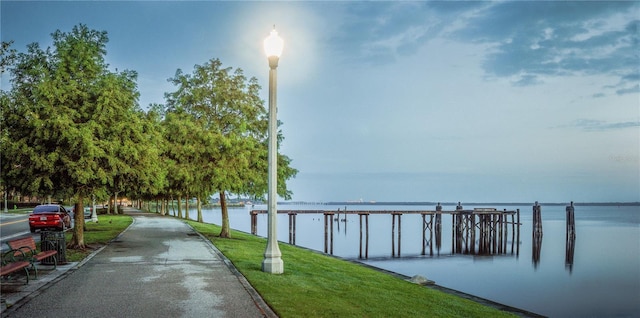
[{"x": 72, "y": 128}]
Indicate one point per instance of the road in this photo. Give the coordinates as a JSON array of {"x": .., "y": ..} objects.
[{"x": 13, "y": 226}]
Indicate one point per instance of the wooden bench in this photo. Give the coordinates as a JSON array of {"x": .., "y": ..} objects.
[
  {"x": 10, "y": 265},
  {"x": 14, "y": 267},
  {"x": 27, "y": 247}
]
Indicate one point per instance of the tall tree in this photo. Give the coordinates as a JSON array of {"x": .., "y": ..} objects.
[
  {"x": 228, "y": 107},
  {"x": 72, "y": 127}
]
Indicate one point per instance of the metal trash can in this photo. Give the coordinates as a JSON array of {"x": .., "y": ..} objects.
[{"x": 50, "y": 240}]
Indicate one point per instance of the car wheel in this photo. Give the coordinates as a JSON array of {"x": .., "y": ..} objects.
[{"x": 33, "y": 230}]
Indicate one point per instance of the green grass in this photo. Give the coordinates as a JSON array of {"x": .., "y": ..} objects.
[
  {"x": 98, "y": 234},
  {"x": 19, "y": 211},
  {"x": 316, "y": 285}
]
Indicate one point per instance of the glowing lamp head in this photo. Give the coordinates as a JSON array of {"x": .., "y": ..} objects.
[{"x": 273, "y": 44}]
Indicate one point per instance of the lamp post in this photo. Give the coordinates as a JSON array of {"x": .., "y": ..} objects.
[
  {"x": 272, "y": 262},
  {"x": 94, "y": 214}
]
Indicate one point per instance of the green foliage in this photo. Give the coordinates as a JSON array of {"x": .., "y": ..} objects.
[
  {"x": 7, "y": 55},
  {"x": 73, "y": 127},
  {"x": 216, "y": 128}
]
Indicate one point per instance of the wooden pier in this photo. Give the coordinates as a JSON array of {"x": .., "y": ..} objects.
[{"x": 480, "y": 231}]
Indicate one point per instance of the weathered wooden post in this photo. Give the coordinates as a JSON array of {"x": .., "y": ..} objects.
[
  {"x": 438, "y": 215},
  {"x": 570, "y": 238},
  {"x": 345, "y": 218},
  {"x": 426, "y": 225},
  {"x": 473, "y": 234},
  {"x": 537, "y": 219},
  {"x": 328, "y": 221},
  {"x": 393, "y": 235},
  {"x": 326, "y": 233},
  {"x": 438, "y": 228},
  {"x": 399, "y": 232},
  {"x": 366, "y": 216},
  {"x": 292, "y": 227},
  {"x": 518, "y": 235},
  {"x": 571, "y": 222},
  {"x": 537, "y": 235},
  {"x": 360, "y": 253},
  {"x": 254, "y": 222},
  {"x": 458, "y": 227}
]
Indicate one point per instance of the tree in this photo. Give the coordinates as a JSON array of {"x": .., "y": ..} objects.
[
  {"x": 72, "y": 125},
  {"x": 227, "y": 106}
]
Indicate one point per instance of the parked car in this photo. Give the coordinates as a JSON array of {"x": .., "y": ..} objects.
[
  {"x": 87, "y": 213},
  {"x": 49, "y": 216}
]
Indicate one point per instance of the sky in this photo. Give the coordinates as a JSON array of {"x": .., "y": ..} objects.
[{"x": 438, "y": 101}]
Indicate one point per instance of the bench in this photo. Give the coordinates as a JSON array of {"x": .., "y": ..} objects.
[
  {"x": 27, "y": 247},
  {"x": 10, "y": 265}
]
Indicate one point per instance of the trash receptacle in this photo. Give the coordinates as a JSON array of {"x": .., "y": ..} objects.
[{"x": 50, "y": 240}]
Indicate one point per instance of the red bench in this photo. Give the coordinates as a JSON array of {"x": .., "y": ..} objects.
[
  {"x": 27, "y": 248},
  {"x": 12, "y": 267}
]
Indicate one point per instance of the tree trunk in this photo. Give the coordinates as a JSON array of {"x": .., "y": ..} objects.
[
  {"x": 179, "y": 206},
  {"x": 186, "y": 207},
  {"x": 109, "y": 205},
  {"x": 77, "y": 240},
  {"x": 199, "y": 210},
  {"x": 225, "y": 217},
  {"x": 115, "y": 203}
]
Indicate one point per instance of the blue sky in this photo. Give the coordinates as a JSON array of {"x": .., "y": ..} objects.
[{"x": 405, "y": 101}]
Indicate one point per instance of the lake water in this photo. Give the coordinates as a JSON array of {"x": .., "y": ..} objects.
[{"x": 602, "y": 281}]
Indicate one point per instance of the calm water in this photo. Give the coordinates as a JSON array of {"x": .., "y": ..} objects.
[{"x": 602, "y": 281}]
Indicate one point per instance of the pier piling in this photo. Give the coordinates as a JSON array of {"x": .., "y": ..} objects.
[
  {"x": 366, "y": 250},
  {"x": 537, "y": 235},
  {"x": 393, "y": 236},
  {"x": 292, "y": 227},
  {"x": 328, "y": 232}
]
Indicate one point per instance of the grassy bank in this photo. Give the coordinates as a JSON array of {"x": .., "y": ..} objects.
[
  {"x": 316, "y": 285},
  {"x": 98, "y": 234}
]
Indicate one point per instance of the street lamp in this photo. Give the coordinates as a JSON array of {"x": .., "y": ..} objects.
[{"x": 272, "y": 262}]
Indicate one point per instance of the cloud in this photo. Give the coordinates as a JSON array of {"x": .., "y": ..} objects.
[
  {"x": 558, "y": 38},
  {"x": 600, "y": 125},
  {"x": 527, "y": 41},
  {"x": 527, "y": 80},
  {"x": 380, "y": 32},
  {"x": 629, "y": 90}
]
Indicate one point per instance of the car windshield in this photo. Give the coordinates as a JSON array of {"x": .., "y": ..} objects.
[{"x": 46, "y": 209}]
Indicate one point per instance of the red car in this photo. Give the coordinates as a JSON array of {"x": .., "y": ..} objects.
[{"x": 49, "y": 216}]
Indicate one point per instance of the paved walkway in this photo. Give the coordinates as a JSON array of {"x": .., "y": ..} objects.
[{"x": 159, "y": 267}]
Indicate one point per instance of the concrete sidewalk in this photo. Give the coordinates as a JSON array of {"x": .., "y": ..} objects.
[{"x": 159, "y": 267}]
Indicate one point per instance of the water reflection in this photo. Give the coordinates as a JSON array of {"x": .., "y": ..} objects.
[
  {"x": 570, "y": 250},
  {"x": 536, "y": 248}
]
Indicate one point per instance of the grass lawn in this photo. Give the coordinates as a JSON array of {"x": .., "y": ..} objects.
[{"x": 316, "y": 285}]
